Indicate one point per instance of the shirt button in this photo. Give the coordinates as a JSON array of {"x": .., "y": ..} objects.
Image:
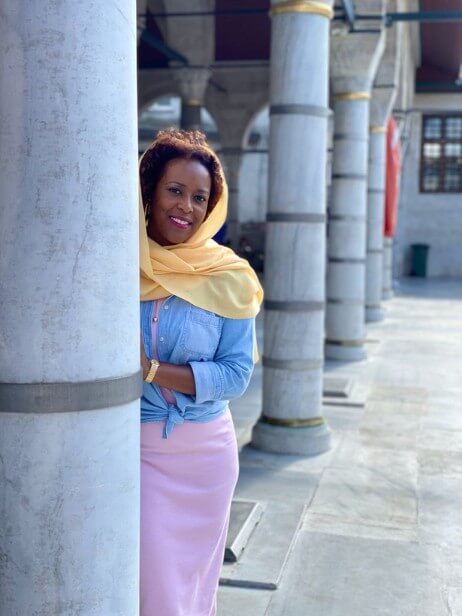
[
  {"x": 166, "y": 307},
  {"x": 161, "y": 338}
]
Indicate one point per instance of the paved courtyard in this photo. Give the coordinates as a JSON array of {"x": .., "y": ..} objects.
[{"x": 380, "y": 530}]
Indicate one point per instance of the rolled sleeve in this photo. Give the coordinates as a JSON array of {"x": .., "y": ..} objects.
[{"x": 227, "y": 376}]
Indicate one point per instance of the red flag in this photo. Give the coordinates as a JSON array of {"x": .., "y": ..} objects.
[{"x": 393, "y": 162}]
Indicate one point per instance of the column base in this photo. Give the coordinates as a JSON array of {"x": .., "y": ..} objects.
[
  {"x": 345, "y": 353},
  {"x": 374, "y": 314},
  {"x": 310, "y": 441}
]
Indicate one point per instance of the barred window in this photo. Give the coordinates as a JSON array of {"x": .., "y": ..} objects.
[{"x": 441, "y": 154}]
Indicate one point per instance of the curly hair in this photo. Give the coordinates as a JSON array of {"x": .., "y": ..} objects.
[{"x": 173, "y": 143}]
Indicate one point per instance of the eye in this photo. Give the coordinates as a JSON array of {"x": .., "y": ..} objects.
[
  {"x": 174, "y": 190},
  {"x": 200, "y": 199}
]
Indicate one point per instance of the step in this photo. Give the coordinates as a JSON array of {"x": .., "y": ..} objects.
[
  {"x": 244, "y": 517},
  {"x": 262, "y": 562}
]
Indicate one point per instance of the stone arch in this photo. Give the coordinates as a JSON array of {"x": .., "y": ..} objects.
[
  {"x": 154, "y": 84},
  {"x": 246, "y": 140}
]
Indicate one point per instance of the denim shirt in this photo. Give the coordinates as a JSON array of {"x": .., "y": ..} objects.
[{"x": 219, "y": 351}]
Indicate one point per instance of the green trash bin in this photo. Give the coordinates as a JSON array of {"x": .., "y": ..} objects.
[{"x": 419, "y": 260}]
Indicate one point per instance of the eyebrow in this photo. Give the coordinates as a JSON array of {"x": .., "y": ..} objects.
[{"x": 201, "y": 190}]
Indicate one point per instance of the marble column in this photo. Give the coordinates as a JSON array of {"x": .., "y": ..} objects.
[
  {"x": 383, "y": 97},
  {"x": 292, "y": 421},
  {"x": 387, "y": 290},
  {"x": 375, "y": 219},
  {"x": 354, "y": 63},
  {"x": 347, "y": 228},
  {"x": 69, "y": 309}
]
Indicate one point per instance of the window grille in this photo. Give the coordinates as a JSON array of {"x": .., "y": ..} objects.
[{"x": 441, "y": 154}]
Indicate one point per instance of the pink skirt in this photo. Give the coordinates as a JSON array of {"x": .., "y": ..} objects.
[{"x": 187, "y": 483}]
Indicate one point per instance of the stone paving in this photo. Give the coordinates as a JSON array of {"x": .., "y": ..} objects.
[{"x": 382, "y": 530}]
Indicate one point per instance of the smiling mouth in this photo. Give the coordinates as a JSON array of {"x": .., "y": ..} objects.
[{"x": 180, "y": 223}]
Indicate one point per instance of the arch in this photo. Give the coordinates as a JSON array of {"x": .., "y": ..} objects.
[
  {"x": 258, "y": 119},
  {"x": 253, "y": 177},
  {"x": 153, "y": 84}
]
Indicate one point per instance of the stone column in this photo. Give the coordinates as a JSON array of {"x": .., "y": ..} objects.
[
  {"x": 375, "y": 216},
  {"x": 192, "y": 83},
  {"x": 69, "y": 309},
  {"x": 347, "y": 228},
  {"x": 292, "y": 420},
  {"x": 387, "y": 290},
  {"x": 383, "y": 97},
  {"x": 354, "y": 63}
]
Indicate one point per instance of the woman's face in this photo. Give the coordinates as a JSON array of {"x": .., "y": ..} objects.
[{"x": 180, "y": 201}]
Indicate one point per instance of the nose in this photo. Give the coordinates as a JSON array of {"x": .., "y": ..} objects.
[{"x": 185, "y": 204}]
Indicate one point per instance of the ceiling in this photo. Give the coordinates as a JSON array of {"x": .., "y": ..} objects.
[
  {"x": 441, "y": 44},
  {"x": 245, "y": 36}
]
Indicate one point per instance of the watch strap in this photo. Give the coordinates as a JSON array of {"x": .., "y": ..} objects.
[{"x": 152, "y": 370}]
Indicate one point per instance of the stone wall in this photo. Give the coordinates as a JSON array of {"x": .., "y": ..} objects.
[{"x": 434, "y": 219}]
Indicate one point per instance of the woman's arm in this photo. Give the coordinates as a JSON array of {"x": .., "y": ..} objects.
[
  {"x": 179, "y": 378},
  {"x": 223, "y": 378},
  {"x": 226, "y": 376}
]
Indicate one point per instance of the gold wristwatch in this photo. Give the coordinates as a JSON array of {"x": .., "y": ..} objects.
[{"x": 152, "y": 370}]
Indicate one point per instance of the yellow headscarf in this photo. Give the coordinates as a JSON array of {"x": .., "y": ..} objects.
[{"x": 200, "y": 271}]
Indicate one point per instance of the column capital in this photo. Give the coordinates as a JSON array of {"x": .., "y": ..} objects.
[
  {"x": 354, "y": 61},
  {"x": 382, "y": 100},
  {"x": 192, "y": 83}
]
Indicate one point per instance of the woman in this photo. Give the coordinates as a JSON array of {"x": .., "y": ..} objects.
[{"x": 198, "y": 303}]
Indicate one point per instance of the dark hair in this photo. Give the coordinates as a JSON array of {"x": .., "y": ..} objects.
[{"x": 173, "y": 143}]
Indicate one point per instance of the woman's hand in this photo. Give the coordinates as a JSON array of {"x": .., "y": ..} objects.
[
  {"x": 178, "y": 378},
  {"x": 144, "y": 361}
]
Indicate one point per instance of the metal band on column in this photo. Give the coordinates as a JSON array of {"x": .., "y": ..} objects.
[
  {"x": 312, "y": 110},
  {"x": 294, "y": 423},
  {"x": 377, "y": 129},
  {"x": 297, "y": 217},
  {"x": 302, "y": 6},
  {"x": 352, "y": 96},
  {"x": 69, "y": 397}
]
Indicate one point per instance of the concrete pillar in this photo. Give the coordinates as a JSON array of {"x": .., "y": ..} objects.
[
  {"x": 292, "y": 420},
  {"x": 192, "y": 83},
  {"x": 354, "y": 63},
  {"x": 387, "y": 290},
  {"x": 69, "y": 309}
]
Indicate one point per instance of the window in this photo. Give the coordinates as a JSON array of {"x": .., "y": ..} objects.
[{"x": 441, "y": 154}]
